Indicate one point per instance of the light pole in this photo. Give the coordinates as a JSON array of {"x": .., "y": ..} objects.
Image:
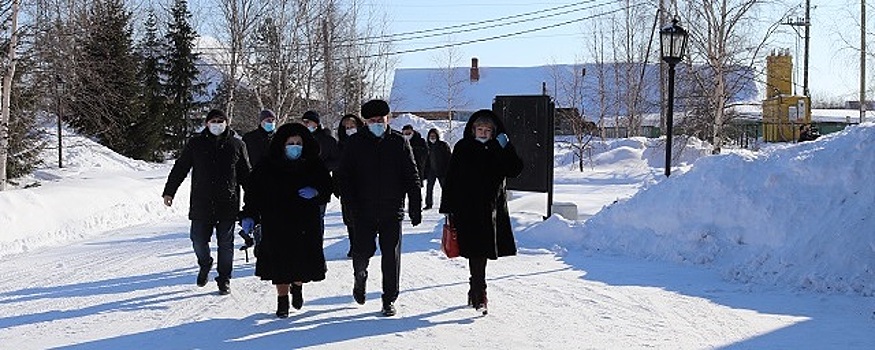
[{"x": 672, "y": 44}]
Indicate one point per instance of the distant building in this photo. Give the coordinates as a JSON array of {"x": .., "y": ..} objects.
[
  {"x": 436, "y": 93},
  {"x": 870, "y": 105}
]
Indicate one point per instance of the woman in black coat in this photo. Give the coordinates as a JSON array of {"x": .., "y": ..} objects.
[
  {"x": 349, "y": 125},
  {"x": 475, "y": 197},
  {"x": 284, "y": 195}
]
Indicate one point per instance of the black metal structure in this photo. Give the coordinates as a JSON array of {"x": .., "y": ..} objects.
[{"x": 529, "y": 120}]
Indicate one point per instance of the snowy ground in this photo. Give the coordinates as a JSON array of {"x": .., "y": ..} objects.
[{"x": 725, "y": 254}]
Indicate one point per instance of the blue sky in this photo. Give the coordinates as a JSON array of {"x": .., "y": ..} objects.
[{"x": 833, "y": 70}]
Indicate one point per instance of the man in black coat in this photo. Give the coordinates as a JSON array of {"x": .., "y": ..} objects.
[
  {"x": 328, "y": 151},
  {"x": 258, "y": 140},
  {"x": 376, "y": 172},
  {"x": 219, "y": 167},
  {"x": 257, "y": 144},
  {"x": 420, "y": 149},
  {"x": 436, "y": 166}
]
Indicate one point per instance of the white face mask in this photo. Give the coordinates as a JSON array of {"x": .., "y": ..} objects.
[
  {"x": 432, "y": 139},
  {"x": 217, "y": 128},
  {"x": 349, "y": 132},
  {"x": 408, "y": 137},
  {"x": 482, "y": 139}
]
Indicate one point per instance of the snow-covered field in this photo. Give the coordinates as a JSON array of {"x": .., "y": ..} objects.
[{"x": 767, "y": 250}]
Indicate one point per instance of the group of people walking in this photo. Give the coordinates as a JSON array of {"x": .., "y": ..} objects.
[{"x": 287, "y": 175}]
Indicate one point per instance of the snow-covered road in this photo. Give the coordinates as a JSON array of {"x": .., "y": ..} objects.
[{"x": 134, "y": 289}]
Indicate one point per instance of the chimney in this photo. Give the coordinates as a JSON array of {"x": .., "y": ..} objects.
[{"x": 475, "y": 70}]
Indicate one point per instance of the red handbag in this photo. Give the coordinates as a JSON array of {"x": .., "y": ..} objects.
[{"x": 449, "y": 243}]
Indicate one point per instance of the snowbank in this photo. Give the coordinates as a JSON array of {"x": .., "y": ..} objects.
[
  {"x": 798, "y": 215},
  {"x": 97, "y": 190}
]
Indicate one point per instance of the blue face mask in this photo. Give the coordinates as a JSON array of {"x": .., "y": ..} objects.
[
  {"x": 482, "y": 139},
  {"x": 311, "y": 128},
  {"x": 269, "y": 127},
  {"x": 293, "y": 152},
  {"x": 377, "y": 129}
]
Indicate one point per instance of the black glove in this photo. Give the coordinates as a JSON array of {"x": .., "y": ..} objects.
[{"x": 415, "y": 217}]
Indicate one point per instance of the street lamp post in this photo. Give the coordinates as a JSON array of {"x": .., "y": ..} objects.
[{"x": 672, "y": 44}]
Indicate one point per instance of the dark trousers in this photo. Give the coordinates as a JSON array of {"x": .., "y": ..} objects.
[
  {"x": 478, "y": 274},
  {"x": 349, "y": 222},
  {"x": 388, "y": 229},
  {"x": 322, "y": 221},
  {"x": 201, "y": 234},
  {"x": 429, "y": 188}
]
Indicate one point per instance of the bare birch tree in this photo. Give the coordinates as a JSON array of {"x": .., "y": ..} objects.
[
  {"x": 240, "y": 20},
  {"x": 723, "y": 38},
  {"x": 569, "y": 93},
  {"x": 447, "y": 85},
  {"x": 8, "y": 65}
]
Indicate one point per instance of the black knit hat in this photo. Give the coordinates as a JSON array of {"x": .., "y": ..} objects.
[
  {"x": 216, "y": 113},
  {"x": 264, "y": 114},
  {"x": 311, "y": 115},
  {"x": 375, "y": 108}
]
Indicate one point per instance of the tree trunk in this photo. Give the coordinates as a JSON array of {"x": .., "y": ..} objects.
[{"x": 7, "y": 92}]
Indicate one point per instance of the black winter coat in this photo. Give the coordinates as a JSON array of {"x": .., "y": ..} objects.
[
  {"x": 219, "y": 167},
  {"x": 291, "y": 244},
  {"x": 328, "y": 150},
  {"x": 376, "y": 173},
  {"x": 476, "y": 196},
  {"x": 257, "y": 142},
  {"x": 438, "y": 159},
  {"x": 420, "y": 153}
]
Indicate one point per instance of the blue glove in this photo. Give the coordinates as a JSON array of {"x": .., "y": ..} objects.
[
  {"x": 247, "y": 224},
  {"x": 502, "y": 139},
  {"x": 308, "y": 192}
]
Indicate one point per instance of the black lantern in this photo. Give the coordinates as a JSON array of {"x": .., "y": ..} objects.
[{"x": 672, "y": 44}]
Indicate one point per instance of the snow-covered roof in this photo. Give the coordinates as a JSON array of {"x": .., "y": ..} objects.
[
  {"x": 755, "y": 111},
  {"x": 425, "y": 89}
]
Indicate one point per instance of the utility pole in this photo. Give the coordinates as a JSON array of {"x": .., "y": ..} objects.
[
  {"x": 862, "y": 61},
  {"x": 806, "y": 23},
  {"x": 807, "y": 39}
]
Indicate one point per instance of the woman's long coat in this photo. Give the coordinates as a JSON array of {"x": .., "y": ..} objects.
[
  {"x": 291, "y": 246},
  {"x": 476, "y": 197}
]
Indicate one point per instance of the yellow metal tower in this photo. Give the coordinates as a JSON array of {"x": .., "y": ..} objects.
[{"x": 783, "y": 113}]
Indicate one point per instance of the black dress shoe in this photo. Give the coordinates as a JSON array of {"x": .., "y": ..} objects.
[{"x": 388, "y": 308}]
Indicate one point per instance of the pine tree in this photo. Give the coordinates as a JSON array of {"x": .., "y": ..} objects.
[
  {"x": 148, "y": 129},
  {"x": 105, "y": 96},
  {"x": 182, "y": 73}
]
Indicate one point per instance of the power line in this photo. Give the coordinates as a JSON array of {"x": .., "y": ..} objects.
[
  {"x": 473, "y": 41},
  {"x": 469, "y": 24},
  {"x": 481, "y": 24},
  {"x": 468, "y": 42}
]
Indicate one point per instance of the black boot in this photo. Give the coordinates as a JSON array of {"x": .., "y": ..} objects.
[
  {"x": 480, "y": 304},
  {"x": 282, "y": 306},
  {"x": 297, "y": 297},
  {"x": 224, "y": 285},
  {"x": 358, "y": 290}
]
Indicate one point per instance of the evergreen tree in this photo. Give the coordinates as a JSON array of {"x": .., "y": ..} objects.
[
  {"x": 148, "y": 129},
  {"x": 182, "y": 73},
  {"x": 106, "y": 92}
]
